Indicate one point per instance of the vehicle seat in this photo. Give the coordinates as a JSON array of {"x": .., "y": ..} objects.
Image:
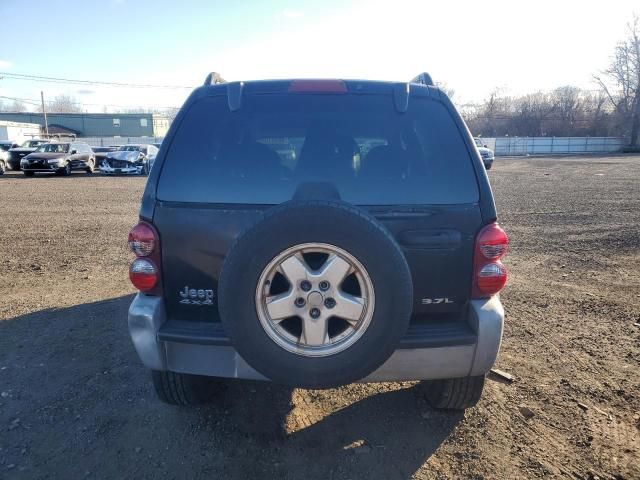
[
  {"x": 384, "y": 162},
  {"x": 249, "y": 160},
  {"x": 326, "y": 154}
]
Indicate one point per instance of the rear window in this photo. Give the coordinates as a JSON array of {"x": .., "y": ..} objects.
[{"x": 359, "y": 145}]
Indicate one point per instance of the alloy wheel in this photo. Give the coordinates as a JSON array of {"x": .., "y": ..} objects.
[{"x": 315, "y": 299}]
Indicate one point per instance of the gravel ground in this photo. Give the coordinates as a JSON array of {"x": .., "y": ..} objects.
[{"x": 75, "y": 402}]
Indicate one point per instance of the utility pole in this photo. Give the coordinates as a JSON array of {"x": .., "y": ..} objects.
[{"x": 44, "y": 112}]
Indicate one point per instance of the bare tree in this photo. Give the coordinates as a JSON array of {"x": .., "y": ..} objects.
[
  {"x": 15, "y": 107},
  {"x": 621, "y": 82},
  {"x": 450, "y": 92},
  {"x": 64, "y": 104},
  {"x": 565, "y": 111}
]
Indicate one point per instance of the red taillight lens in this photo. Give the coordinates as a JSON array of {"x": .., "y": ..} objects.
[
  {"x": 489, "y": 274},
  {"x": 142, "y": 239},
  {"x": 143, "y": 274},
  {"x": 317, "y": 86}
]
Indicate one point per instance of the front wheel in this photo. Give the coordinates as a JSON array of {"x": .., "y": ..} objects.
[
  {"x": 183, "y": 389},
  {"x": 453, "y": 393},
  {"x": 91, "y": 166},
  {"x": 66, "y": 170},
  {"x": 2, "y": 167}
]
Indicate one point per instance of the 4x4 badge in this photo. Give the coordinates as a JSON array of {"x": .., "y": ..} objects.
[{"x": 192, "y": 296}]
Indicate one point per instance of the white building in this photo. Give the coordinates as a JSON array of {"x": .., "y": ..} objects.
[{"x": 17, "y": 132}]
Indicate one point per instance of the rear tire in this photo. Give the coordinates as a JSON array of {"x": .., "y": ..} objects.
[
  {"x": 2, "y": 167},
  {"x": 91, "y": 166},
  {"x": 183, "y": 389},
  {"x": 454, "y": 393}
]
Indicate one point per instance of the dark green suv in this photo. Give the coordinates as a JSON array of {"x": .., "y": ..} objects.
[{"x": 316, "y": 233}]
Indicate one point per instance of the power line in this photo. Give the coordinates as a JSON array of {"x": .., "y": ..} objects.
[
  {"x": 40, "y": 78},
  {"x": 24, "y": 100},
  {"x": 33, "y": 101}
]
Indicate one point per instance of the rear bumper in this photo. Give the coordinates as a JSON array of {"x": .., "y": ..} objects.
[{"x": 457, "y": 357}]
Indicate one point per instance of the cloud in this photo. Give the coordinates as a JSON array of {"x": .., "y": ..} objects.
[
  {"x": 85, "y": 91},
  {"x": 5, "y": 64}
]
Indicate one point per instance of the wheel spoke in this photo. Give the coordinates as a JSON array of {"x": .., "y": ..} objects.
[
  {"x": 281, "y": 306},
  {"x": 294, "y": 269},
  {"x": 315, "y": 331},
  {"x": 348, "y": 307},
  {"x": 335, "y": 270}
]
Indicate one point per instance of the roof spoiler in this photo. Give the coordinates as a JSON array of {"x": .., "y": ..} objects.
[
  {"x": 423, "y": 79},
  {"x": 213, "y": 78}
]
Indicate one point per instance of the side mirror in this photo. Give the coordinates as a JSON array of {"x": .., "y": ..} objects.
[
  {"x": 485, "y": 145},
  {"x": 73, "y": 152}
]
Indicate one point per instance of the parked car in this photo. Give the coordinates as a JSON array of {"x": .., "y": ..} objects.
[
  {"x": 130, "y": 159},
  {"x": 17, "y": 153},
  {"x": 100, "y": 153},
  {"x": 485, "y": 152},
  {"x": 338, "y": 268},
  {"x": 60, "y": 158},
  {"x": 5, "y": 146}
]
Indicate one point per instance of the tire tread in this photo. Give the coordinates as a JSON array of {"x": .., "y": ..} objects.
[
  {"x": 454, "y": 393},
  {"x": 182, "y": 389}
]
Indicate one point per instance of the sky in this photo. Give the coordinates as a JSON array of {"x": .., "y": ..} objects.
[{"x": 473, "y": 47}]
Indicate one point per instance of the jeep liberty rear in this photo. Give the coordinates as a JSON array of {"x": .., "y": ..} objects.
[{"x": 317, "y": 233}]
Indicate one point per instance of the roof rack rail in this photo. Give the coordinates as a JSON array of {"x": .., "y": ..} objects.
[
  {"x": 213, "y": 78},
  {"x": 424, "y": 79}
]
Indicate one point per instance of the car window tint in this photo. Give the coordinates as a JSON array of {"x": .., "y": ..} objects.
[{"x": 358, "y": 144}]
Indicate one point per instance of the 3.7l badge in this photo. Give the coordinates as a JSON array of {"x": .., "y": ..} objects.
[
  {"x": 196, "y": 296},
  {"x": 435, "y": 301}
]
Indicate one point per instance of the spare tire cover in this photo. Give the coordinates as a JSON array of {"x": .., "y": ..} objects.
[{"x": 316, "y": 294}]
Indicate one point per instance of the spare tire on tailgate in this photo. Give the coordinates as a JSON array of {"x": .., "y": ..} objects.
[{"x": 316, "y": 294}]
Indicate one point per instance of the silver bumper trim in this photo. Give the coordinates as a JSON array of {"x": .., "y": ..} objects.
[{"x": 147, "y": 314}]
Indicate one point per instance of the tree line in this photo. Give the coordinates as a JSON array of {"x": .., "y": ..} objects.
[
  {"x": 564, "y": 112},
  {"x": 611, "y": 110}
]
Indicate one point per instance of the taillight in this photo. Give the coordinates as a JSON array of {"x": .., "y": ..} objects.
[
  {"x": 144, "y": 272},
  {"x": 489, "y": 274},
  {"x": 142, "y": 239}
]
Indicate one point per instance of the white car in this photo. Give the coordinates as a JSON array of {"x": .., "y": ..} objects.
[
  {"x": 485, "y": 152},
  {"x": 130, "y": 160},
  {"x": 5, "y": 146}
]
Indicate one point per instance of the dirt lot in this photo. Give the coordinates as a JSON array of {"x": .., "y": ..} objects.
[{"x": 76, "y": 403}]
